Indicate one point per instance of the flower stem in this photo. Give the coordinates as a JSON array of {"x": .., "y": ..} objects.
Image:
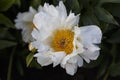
[{"x": 10, "y": 64}]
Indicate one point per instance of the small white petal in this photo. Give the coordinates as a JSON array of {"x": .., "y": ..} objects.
[
  {"x": 71, "y": 68},
  {"x": 90, "y": 53},
  {"x": 72, "y": 60},
  {"x": 57, "y": 58},
  {"x": 86, "y": 59},
  {"x": 66, "y": 58},
  {"x": 80, "y": 61},
  {"x": 43, "y": 60},
  {"x": 72, "y": 20}
]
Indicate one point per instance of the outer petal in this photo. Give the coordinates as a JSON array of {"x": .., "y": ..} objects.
[
  {"x": 40, "y": 46},
  {"x": 57, "y": 58},
  {"x": 72, "y": 20},
  {"x": 91, "y": 34},
  {"x": 43, "y": 59},
  {"x": 71, "y": 68},
  {"x": 29, "y": 15},
  {"x": 45, "y": 18},
  {"x": 62, "y": 12},
  {"x": 90, "y": 53},
  {"x": 67, "y": 58},
  {"x": 90, "y": 56},
  {"x": 39, "y": 35},
  {"x": 26, "y": 16},
  {"x": 79, "y": 61}
]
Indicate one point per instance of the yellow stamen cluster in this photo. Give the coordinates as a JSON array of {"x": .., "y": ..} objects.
[{"x": 63, "y": 40}]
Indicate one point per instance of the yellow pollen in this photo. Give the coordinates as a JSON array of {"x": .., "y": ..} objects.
[{"x": 63, "y": 41}]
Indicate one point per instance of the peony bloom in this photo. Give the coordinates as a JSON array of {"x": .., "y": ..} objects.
[
  {"x": 24, "y": 22},
  {"x": 59, "y": 40}
]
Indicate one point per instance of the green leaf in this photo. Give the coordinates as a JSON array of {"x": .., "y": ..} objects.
[
  {"x": 6, "y": 44},
  {"x": 6, "y": 21},
  {"x": 102, "y": 69},
  {"x": 104, "y": 15},
  {"x": 109, "y": 1},
  {"x": 115, "y": 70},
  {"x": 34, "y": 64},
  {"x": 89, "y": 18},
  {"x": 73, "y": 5},
  {"x": 35, "y": 3},
  {"x": 6, "y": 4},
  {"x": 115, "y": 37},
  {"x": 113, "y": 9},
  {"x": 29, "y": 59},
  {"x": 18, "y": 2},
  {"x": 19, "y": 67}
]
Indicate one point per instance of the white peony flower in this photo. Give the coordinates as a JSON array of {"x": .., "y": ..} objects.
[
  {"x": 59, "y": 40},
  {"x": 24, "y": 22}
]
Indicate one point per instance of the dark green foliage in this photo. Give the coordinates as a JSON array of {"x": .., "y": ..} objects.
[{"x": 104, "y": 13}]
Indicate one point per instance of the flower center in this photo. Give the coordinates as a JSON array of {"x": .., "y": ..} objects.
[{"x": 63, "y": 40}]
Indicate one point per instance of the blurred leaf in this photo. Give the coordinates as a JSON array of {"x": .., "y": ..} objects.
[
  {"x": 73, "y": 5},
  {"x": 6, "y": 21},
  {"x": 89, "y": 19},
  {"x": 115, "y": 37},
  {"x": 55, "y": 2},
  {"x": 102, "y": 69},
  {"x": 5, "y": 34},
  {"x": 104, "y": 16},
  {"x": 29, "y": 59},
  {"x": 115, "y": 70},
  {"x": 20, "y": 67},
  {"x": 114, "y": 9},
  {"x": 35, "y": 3},
  {"x": 18, "y": 2},
  {"x": 109, "y": 1},
  {"x": 6, "y": 4},
  {"x": 6, "y": 44}
]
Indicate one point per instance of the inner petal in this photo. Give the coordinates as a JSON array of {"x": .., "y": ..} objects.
[{"x": 63, "y": 40}]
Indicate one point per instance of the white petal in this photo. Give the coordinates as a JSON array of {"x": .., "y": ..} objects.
[
  {"x": 28, "y": 16},
  {"x": 65, "y": 60},
  {"x": 86, "y": 59},
  {"x": 80, "y": 61},
  {"x": 32, "y": 10},
  {"x": 72, "y": 20},
  {"x": 43, "y": 60},
  {"x": 50, "y": 9},
  {"x": 26, "y": 31},
  {"x": 72, "y": 60},
  {"x": 71, "y": 68},
  {"x": 57, "y": 58},
  {"x": 90, "y": 53},
  {"x": 40, "y": 46},
  {"x": 39, "y": 35},
  {"x": 62, "y": 12},
  {"x": 45, "y": 22},
  {"x": 91, "y": 34}
]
